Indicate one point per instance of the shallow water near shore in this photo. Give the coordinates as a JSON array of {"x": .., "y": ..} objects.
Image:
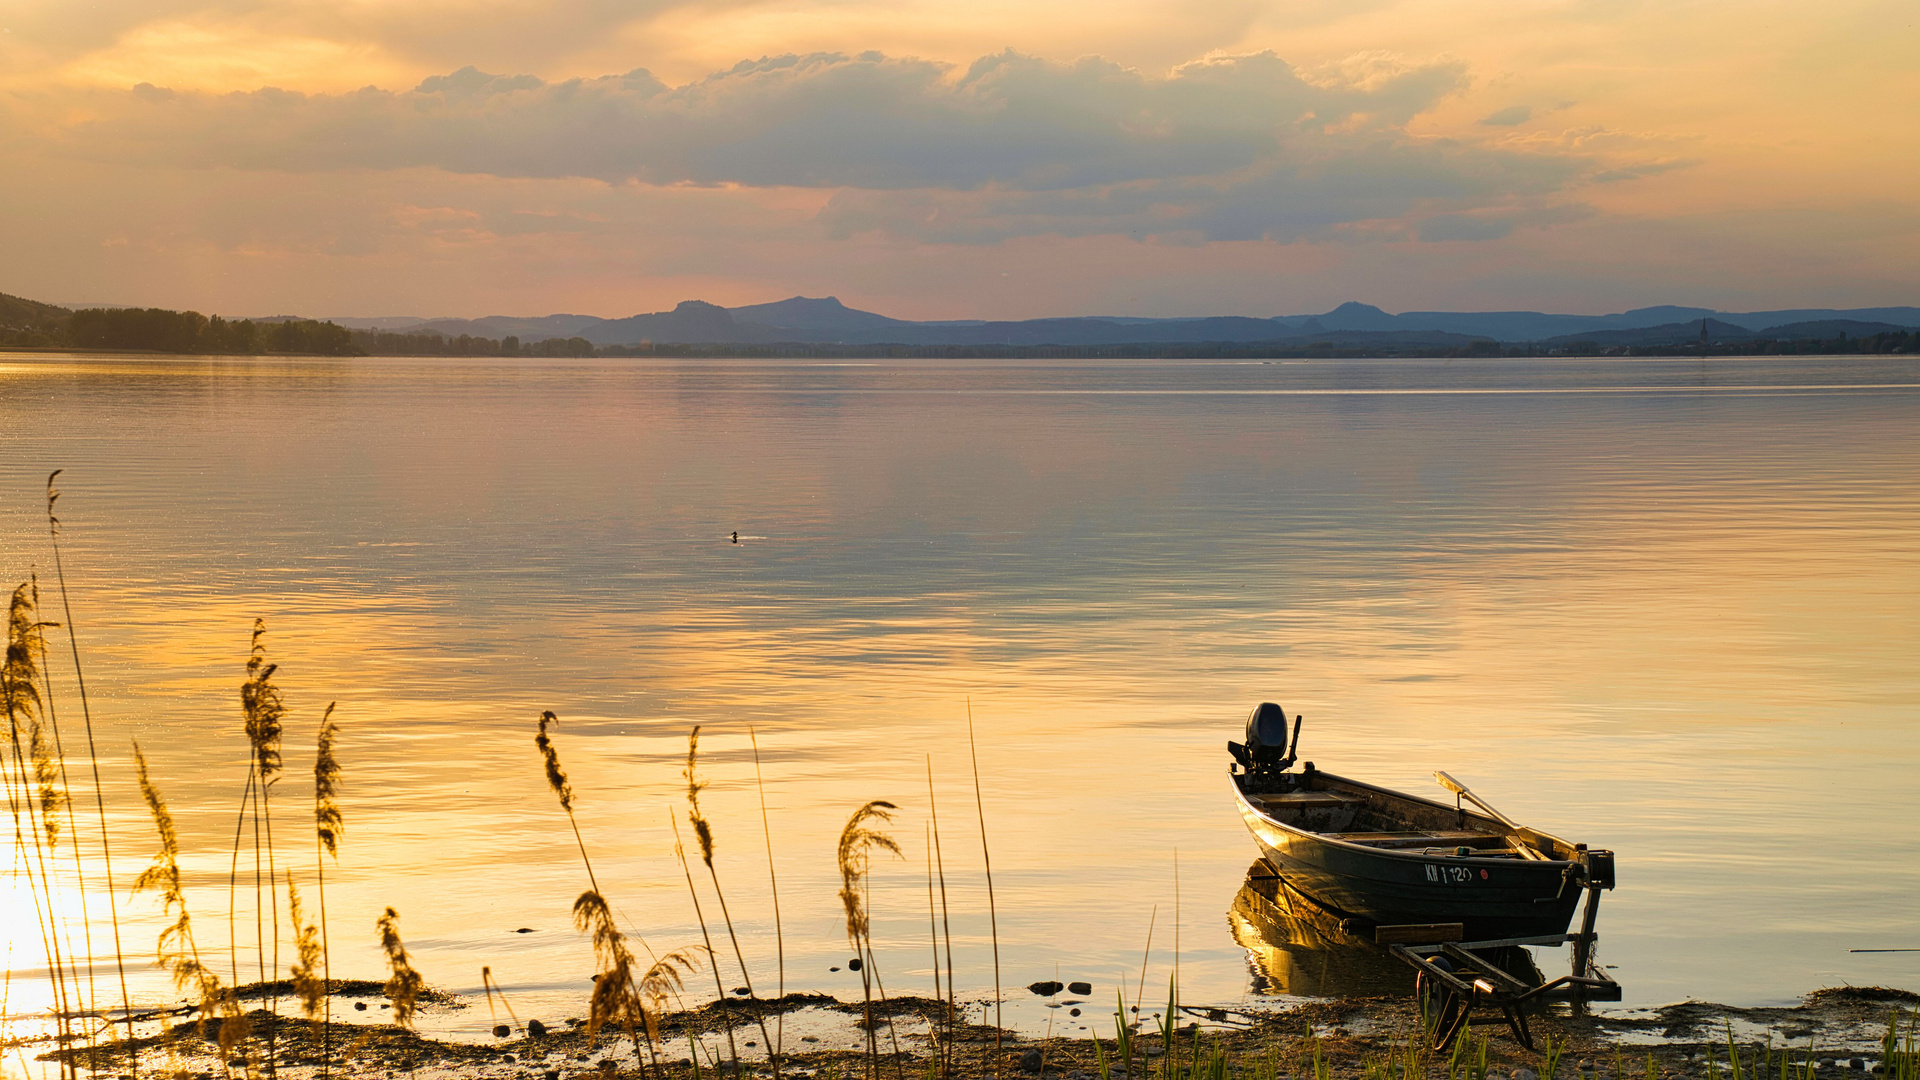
[{"x": 1664, "y": 606}]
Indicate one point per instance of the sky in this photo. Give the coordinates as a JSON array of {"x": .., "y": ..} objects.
[{"x": 947, "y": 159}]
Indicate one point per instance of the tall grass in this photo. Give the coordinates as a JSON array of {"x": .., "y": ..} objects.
[
  {"x": 858, "y": 840},
  {"x": 706, "y": 938},
  {"x": 986, "y": 856},
  {"x": 50, "y": 772},
  {"x": 265, "y": 714},
  {"x": 404, "y": 983},
  {"x": 1899, "y": 1054},
  {"x": 616, "y": 996},
  {"x": 175, "y": 949},
  {"x": 703, "y": 831},
  {"x": 952, "y": 1000},
  {"x": 93, "y": 759},
  {"x": 35, "y": 789},
  {"x": 619, "y": 997},
  {"x": 662, "y": 983},
  {"x": 773, "y": 890},
  {"x": 328, "y": 825}
]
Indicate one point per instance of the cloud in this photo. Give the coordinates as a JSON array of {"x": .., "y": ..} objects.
[
  {"x": 1509, "y": 117},
  {"x": 826, "y": 120},
  {"x": 1225, "y": 148},
  {"x": 1321, "y": 196}
]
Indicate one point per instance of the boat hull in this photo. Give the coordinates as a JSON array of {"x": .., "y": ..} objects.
[{"x": 1492, "y": 897}]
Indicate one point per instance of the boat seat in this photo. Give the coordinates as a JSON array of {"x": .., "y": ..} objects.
[
  {"x": 1310, "y": 800},
  {"x": 1420, "y": 839}
]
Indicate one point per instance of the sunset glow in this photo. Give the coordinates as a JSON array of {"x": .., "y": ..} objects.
[{"x": 936, "y": 159}]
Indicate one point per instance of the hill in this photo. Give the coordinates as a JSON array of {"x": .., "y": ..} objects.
[{"x": 30, "y": 322}]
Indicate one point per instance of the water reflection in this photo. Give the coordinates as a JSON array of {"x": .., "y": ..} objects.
[
  {"x": 1297, "y": 949},
  {"x": 1630, "y": 615}
]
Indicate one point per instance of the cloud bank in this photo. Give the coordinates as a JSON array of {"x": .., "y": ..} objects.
[{"x": 1226, "y": 148}]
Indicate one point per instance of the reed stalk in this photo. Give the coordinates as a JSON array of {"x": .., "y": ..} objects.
[
  {"x": 491, "y": 988},
  {"x": 858, "y": 840},
  {"x": 39, "y": 793},
  {"x": 562, "y": 787},
  {"x": 309, "y": 978},
  {"x": 986, "y": 855},
  {"x": 265, "y": 712},
  {"x": 328, "y": 825},
  {"x": 404, "y": 985},
  {"x": 616, "y": 998},
  {"x": 703, "y": 831},
  {"x": 175, "y": 949},
  {"x": 93, "y": 759},
  {"x": 933, "y": 939},
  {"x": 720, "y": 988},
  {"x": 773, "y": 889},
  {"x": 664, "y": 981},
  {"x": 52, "y": 770},
  {"x": 233, "y": 878},
  {"x": 946, "y": 920},
  {"x": 1176, "y": 916}
]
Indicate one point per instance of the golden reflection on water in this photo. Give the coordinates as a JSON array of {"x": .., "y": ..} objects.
[
  {"x": 1296, "y": 949},
  {"x": 1648, "y": 621}
]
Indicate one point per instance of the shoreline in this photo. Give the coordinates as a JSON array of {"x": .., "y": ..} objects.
[{"x": 1840, "y": 1030}]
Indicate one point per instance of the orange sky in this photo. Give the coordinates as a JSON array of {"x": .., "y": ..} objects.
[{"x": 934, "y": 159}]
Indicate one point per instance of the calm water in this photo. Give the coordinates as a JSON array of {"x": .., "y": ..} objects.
[{"x": 1668, "y": 607}]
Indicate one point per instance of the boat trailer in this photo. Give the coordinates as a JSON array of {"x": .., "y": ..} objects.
[{"x": 1455, "y": 977}]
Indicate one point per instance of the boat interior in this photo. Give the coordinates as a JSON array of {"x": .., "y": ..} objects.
[
  {"x": 1340, "y": 810},
  {"x": 1357, "y": 813}
]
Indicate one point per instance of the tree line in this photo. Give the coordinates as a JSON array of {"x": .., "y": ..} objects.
[
  {"x": 160, "y": 330},
  {"x": 29, "y": 324}
]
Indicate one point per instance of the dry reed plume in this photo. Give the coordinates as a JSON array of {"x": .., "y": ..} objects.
[
  {"x": 265, "y": 713},
  {"x": 663, "y": 982},
  {"x": 175, "y": 948},
  {"x": 38, "y": 793},
  {"x": 24, "y": 643},
  {"x": 704, "y": 831},
  {"x": 309, "y": 981},
  {"x": 616, "y": 999},
  {"x": 720, "y": 988},
  {"x": 405, "y": 985},
  {"x": 562, "y": 787},
  {"x": 855, "y": 856},
  {"x": 328, "y": 825}
]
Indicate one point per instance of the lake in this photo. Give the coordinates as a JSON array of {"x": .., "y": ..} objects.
[{"x": 1670, "y": 607}]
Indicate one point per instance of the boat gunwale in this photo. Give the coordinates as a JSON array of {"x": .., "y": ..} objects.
[{"x": 1246, "y": 804}]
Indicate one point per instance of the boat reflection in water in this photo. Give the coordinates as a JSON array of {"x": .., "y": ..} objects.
[{"x": 1298, "y": 949}]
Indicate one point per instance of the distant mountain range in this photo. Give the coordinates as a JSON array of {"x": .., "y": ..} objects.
[{"x": 828, "y": 321}]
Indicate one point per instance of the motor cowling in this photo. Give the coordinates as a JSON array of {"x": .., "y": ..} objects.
[{"x": 1267, "y": 745}]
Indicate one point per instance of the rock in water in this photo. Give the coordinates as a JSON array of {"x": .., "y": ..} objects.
[
  {"x": 501, "y": 1031},
  {"x": 1046, "y": 989},
  {"x": 1082, "y": 989},
  {"x": 1030, "y": 1061},
  {"x": 536, "y": 1029}
]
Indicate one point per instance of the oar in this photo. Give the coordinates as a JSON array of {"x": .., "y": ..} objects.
[{"x": 1460, "y": 789}]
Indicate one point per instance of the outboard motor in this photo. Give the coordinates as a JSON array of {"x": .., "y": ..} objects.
[{"x": 1267, "y": 748}]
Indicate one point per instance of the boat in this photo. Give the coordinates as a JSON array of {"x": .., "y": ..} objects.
[{"x": 1384, "y": 859}]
